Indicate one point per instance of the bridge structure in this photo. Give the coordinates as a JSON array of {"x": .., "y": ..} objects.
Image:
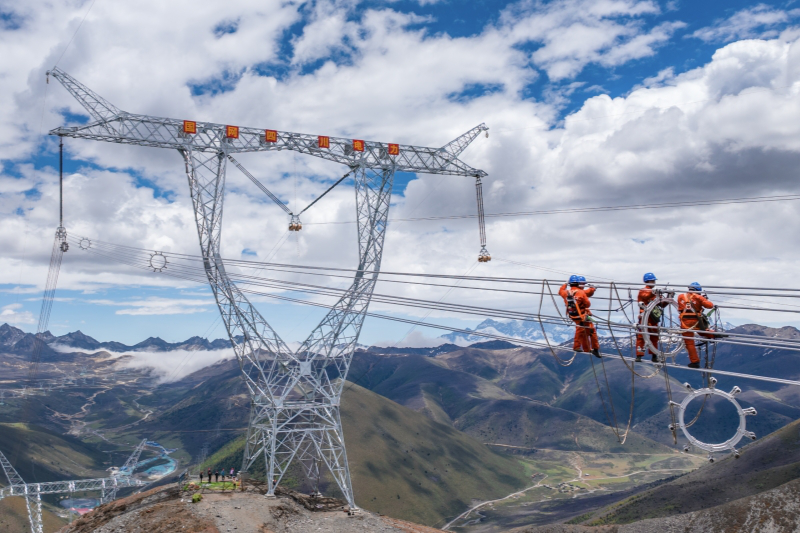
[{"x": 294, "y": 394}]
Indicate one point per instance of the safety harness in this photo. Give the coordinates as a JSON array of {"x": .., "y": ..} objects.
[
  {"x": 573, "y": 309},
  {"x": 691, "y": 311}
]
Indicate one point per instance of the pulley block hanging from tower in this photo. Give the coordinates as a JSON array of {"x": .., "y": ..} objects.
[
  {"x": 295, "y": 224},
  {"x": 61, "y": 235}
]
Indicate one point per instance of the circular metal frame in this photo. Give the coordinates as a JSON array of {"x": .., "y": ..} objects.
[
  {"x": 670, "y": 341},
  {"x": 158, "y": 262},
  {"x": 741, "y": 431},
  {"x": 84, "y": 244}
]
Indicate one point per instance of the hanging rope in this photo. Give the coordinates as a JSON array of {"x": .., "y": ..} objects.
[{"x": 673, "y": 421}]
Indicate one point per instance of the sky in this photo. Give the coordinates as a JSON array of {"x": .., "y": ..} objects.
[{"x": 589, "y": 103}]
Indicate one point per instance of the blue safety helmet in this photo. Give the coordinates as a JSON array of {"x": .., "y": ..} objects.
[
  {"x": 582, "y": 279},
  {"x": 649, "y": 277},
  {"x": 573, "y": 279},
  {"x": 694, "y": 286}
]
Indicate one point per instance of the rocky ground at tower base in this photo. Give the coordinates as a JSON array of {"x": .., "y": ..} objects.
[{"x": 169, "y": 510}]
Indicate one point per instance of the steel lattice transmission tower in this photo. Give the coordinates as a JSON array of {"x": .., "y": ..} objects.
[
  {"x": 32, "y": 492},
  {"x": 294, "y": 395}
]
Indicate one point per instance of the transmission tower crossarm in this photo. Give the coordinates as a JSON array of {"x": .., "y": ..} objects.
[
  {"x": 113, "y": 125},
  {"x": 460, "y": 143},
  {"x": 98, "y": 107},
  {"x": 14, "y": 479}
]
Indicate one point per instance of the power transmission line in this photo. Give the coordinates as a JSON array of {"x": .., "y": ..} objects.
[{"x": 633, "y": 207}]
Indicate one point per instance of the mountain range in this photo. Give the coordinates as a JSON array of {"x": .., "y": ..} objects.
[
  {"x": 525, "y": 330},
  {"x": 450, "y": 401},
  {"x": 14, "y": 340}
]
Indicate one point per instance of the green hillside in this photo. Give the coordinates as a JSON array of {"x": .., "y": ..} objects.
[
  {"x": 765, "y": 464},
  {"x": 14, "y": 517},
  {"x": 39, "y": 455},
  {"x": 444, "y": 389},
  {"x": 408, "y": 466},
  {"x": 532, "y": 425}
]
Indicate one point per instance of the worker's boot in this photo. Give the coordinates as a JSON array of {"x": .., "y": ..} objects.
[
  {"x": 693, "y": 365},
  {"x": 638, "y": 358},
  {"x": 596, "y": 353},
  {"x": 654, "y": 358}
]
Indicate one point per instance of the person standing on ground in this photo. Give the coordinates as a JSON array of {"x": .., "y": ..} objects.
[
  {"x": 690, "y": 307},
  {"x": 209, "y": 475},
  {"x": 217, "y": 476},
  {"x": 201, "y": 477},
  {"x": 232, "y": 473}
]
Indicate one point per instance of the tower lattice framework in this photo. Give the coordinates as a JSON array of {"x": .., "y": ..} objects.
[{"x": 295, "y": 395}]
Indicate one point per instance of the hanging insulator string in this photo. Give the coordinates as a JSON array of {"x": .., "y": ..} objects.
[
  {"x": 483, "y": 255},
  {"x": 326, "y": 192},
  {"x": 260, "y": 185},
  {"x": 60, "y": 182},
  {"x": 61, "y": 233}
]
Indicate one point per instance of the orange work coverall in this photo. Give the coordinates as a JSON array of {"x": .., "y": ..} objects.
[
  {"x": 646, "y": 295},
  {"x": 690, "y": 305},
  {"x": 585, "y": 334}
]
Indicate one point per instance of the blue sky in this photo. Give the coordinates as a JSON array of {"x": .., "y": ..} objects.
[{"x": 588, "y": 103}]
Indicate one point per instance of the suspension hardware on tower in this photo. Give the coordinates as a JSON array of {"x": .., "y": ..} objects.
[
  {"x": 295, "y": 224},
  {"x": 61, "y": 233},
  {"x": 483, "y": 255},
  {"x": 294, "y": 414}
]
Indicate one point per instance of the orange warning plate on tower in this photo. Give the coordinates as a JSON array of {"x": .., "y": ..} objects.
[
  {"x": 323, "y": 141},
  {"x": 394, "y": 149},
  {"x": 232, "y": 132},
  {"x": 358, "y": 145},
  {"x": 271, "y": 136},
  {"x": 189, "y": 126}
]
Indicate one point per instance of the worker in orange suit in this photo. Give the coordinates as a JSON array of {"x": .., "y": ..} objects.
[
  {"x": 576, "y": 297},
  {"x": 647, "y": 295},
  {"x": 690, "y": 307}
]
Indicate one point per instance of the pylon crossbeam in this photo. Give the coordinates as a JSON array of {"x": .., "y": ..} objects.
[{"x": 112, "y": 125}]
